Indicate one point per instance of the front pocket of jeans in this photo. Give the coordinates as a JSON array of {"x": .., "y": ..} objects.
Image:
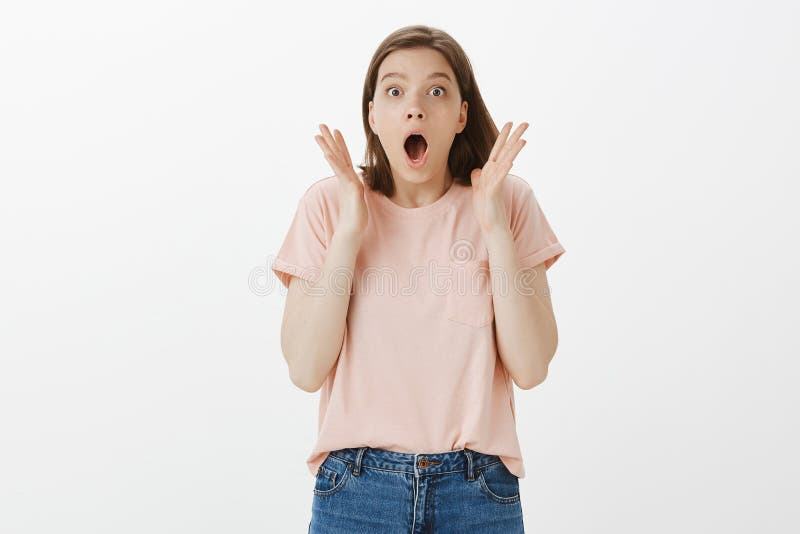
[
  {"x": 470, "y": 300},
  {"x": 331, "y": 477},
  {"x": 499, "y": 484}
]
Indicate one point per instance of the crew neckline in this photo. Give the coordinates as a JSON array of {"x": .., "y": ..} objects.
[{"x": 422, "y": 211}]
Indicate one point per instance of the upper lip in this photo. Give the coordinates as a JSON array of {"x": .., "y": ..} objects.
[{"x": 416, "y": 131}]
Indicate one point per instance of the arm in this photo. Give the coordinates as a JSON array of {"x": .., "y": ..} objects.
[
  {"x": 525, "y": 327},
  {"x": 526, "y": 331},
  {"x": 315, "y": 315}
]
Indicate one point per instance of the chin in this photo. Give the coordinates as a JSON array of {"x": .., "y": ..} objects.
[{"x": 414, "y": 176}]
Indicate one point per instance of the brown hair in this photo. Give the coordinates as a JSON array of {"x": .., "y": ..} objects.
[{"x": 470, "y": 148}]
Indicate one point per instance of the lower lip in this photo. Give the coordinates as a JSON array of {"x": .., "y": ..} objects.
[{"x": 419, "y": 163}]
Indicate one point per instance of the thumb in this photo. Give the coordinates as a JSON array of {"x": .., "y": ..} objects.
[{"x": 475, "y": 175}]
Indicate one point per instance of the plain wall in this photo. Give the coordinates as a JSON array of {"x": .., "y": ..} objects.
[{"x": 151, "y": 158}]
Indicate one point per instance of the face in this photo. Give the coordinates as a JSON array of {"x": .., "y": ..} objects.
[{"x": 417, "y": 89}]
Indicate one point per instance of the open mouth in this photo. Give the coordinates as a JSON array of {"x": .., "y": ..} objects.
[{"x": 416, "y": 149}]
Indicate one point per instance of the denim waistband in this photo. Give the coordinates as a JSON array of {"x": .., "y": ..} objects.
[{"x": 465, "y": 460}]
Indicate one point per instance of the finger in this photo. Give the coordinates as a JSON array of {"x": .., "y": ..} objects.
[
  {"x": 498, "y": 144},
  {"x": 326, "y": 134},
  {"x": 334, "y": 159},
  {"x": 342, "y": 159},
  {"x": 511, "y": 144},
  {"x": 508, "y": 157},
  {"x": 331, "y": 158},
  {"x": 345, "y": 152},
  {"x": 322, "y": 144},
  {"x": 518, "y": 133}
]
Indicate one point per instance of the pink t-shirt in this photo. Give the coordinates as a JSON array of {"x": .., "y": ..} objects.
[{"x": 418, "y": 371}]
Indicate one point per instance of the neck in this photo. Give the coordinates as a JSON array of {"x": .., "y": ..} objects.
[{"x": 415, "y": 194}]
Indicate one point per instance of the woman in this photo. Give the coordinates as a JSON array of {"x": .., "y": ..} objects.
[{"x": 416, "y": 422}]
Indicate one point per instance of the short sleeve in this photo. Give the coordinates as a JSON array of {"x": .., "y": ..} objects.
[
  {"x": 302, "y": 253},
  {"x": 534, "y": 239}
]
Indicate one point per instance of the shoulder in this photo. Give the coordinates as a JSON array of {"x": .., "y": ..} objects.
[
  {"x": 321, "y": 197},
  {"x": 516, "y": 190},
  {"x": 322, "y": 190},
  {"x": 517, "y": 184}
]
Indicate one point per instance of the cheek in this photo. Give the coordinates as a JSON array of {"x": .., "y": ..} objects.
[{"x": 384, "y": 124}]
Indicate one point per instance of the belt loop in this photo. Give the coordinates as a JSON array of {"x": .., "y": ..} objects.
[
  {"x": 359, "y": 456},
  {"x": 470, "y": 473}
]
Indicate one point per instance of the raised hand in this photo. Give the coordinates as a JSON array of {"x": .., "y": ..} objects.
[
  {"x": 487, "y": 182},
  {"x": 353, "y": 214}
]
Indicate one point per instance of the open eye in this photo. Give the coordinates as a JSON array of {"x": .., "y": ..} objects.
[{"x": 439, "y": 87}]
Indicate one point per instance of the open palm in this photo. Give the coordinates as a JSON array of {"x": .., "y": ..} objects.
[
  {"x": 353, "y": 214},
  {"x": 487, "y": 182}
]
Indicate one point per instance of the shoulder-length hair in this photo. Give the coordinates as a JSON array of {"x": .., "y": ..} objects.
[{"x": 470, "y": 148}]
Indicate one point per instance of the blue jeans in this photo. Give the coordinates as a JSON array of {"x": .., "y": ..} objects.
[{"x": 377, "y": 491}]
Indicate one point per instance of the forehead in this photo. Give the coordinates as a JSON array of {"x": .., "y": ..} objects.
[{"x": 415, "y": 63}]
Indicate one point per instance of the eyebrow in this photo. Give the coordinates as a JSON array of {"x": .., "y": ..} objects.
[{"x": 405, "y": 77}]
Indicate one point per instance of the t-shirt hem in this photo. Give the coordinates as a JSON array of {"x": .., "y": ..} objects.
[
  {"x": 283, "y": 269},
  {"x": 549, "y": 255}
]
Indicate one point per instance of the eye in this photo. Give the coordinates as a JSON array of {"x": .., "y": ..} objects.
[{"x": 439, "y": 87}]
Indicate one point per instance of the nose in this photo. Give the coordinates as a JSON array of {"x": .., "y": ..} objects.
[{"x": 414, "y": 110}]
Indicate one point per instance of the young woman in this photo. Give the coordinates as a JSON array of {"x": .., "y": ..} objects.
[{"x": 416, "y": 295}]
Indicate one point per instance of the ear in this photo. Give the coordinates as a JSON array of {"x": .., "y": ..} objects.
[{"x": 462, "y": 116}]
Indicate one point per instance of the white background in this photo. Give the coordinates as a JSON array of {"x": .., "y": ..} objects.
[{"x": 152, "y": 155}]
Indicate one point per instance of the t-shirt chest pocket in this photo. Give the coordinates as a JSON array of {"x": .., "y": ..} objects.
[{"x": 469, "y": 301}]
